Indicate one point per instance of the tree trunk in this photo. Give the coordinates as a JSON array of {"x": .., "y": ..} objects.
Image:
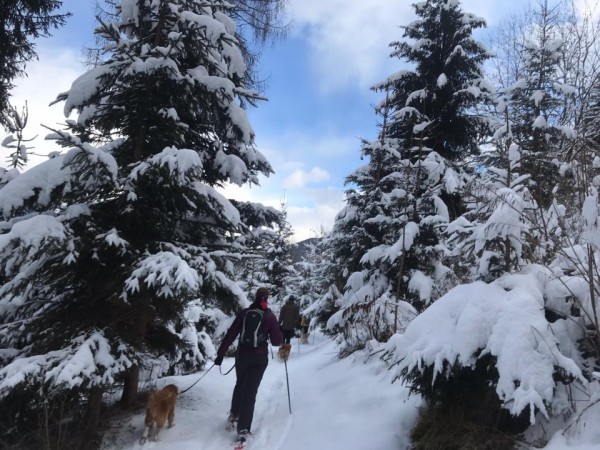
[
  {"x": 91, "y": 420},
  {"x": 130, "y": 386},
  {"x": 132, "y": 376}
]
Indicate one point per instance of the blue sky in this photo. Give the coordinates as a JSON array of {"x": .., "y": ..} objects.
[{"x": 317, "y": 82}]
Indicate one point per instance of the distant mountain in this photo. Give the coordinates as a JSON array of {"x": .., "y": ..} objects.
[{"x": 301, "y": 249}]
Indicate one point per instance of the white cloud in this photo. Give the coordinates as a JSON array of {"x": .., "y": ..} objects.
[
  {"x": 329, "y": 156},
  {"x": 308, "y": 221},
  {"x": 299, "y": 178},
  {"x": 308, "y": 210},
  {"x": 349, "y": 39}
]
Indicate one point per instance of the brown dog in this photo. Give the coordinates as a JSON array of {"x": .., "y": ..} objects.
[
  {"x": 161, "y": 406},
  {"x": 284, "y": 351}
]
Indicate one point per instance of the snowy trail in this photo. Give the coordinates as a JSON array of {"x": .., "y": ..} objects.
[{"x": 330, "y": 408}]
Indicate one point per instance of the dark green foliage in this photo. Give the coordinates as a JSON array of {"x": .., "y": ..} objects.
[
  {"x": 133, "y": 238},
  {"x": 387, "y": 242},
  {"x": 446, "y": 84},
  {"x": 462, "y": 409}
]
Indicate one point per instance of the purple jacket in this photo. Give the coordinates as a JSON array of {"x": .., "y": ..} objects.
[{"x": 268, "y": 326}]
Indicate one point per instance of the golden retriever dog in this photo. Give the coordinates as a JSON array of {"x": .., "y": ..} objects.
[
  {"x": 160, "y": 408},
  {"x": 284, "y": 351}
]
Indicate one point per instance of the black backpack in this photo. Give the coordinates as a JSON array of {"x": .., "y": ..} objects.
[{"x": 251, "y": 334}]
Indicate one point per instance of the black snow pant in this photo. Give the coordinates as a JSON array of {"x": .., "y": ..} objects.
[
  {"x": 287, "y": 335},
  {"x": 249, "y": 370}
]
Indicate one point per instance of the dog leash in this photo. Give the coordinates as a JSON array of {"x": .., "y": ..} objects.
[
  {"x": 204, "y": 374},
  {"x": 226, "y": 373},
  {"x": 185, "y": 390}
]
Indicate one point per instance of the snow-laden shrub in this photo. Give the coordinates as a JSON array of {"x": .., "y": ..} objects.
[
  {"x": 368, "y": 311},
  {"x": 322, "y": 309},
  {"x": 497, "y": 331}
]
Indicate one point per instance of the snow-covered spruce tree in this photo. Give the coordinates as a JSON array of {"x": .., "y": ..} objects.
[
  {"x": 105, "y": 247},
  {"x": 447, "y": 82},
  {"x": 534, "y": 111},
  {"x": 539, "y": 98},
  {"x": 307, "y": 281},
  {"x": 434, "y": 115},
  {"x": 278, "y": 258},
  {"x": 267, "y": 262},
  {"x": 497, "y": 233},
  {"x": 504, "y": 227},
  {"x": 261, "y": 222},
  {"x": 366, "y": 232},
  {"x": 507, "y": 226},
  {"x": 390, "y": 233},
  {"x": 329, "y": 279}
]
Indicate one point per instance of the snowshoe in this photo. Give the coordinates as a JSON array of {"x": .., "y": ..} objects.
[{"x": 241, "y": 441}]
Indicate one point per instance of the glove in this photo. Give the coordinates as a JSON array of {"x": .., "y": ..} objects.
[{"x": 218, "y": 360}]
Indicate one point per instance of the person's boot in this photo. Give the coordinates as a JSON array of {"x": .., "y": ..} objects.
[
  {"x": 241, "y": 440},
  {"x": 231, "y": 422}
]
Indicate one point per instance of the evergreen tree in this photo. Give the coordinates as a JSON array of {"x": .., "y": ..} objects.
[
  {"x": 515, "y": 209},
  {"x": 434, "y": 116},
  {"x": 539, "y": 97},
  {"x": 109, "y": 251},
  {"x": 497, "y": 234},
  {"x": 390, "y": 233},
  {"x": 446, "y": 85},
  {"x": 268, "y": 260},
  {"x": 261, "y": 222},
  {"x": 278, "y": 259},
  {"x": 308, "y": 281}
]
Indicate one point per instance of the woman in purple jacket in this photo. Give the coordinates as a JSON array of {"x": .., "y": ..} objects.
[{"x": 251, "y": 359}]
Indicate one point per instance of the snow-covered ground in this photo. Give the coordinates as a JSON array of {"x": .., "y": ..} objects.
[
  {"x": 336, "y": 404},
  {"x": 348, "y": 404}
]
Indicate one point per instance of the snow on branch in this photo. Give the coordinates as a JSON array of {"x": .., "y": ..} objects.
[
  {"x": 39, "y": 181},
  {"x": 504, "y": 319},
  {"x": 87, "y": 361},
  {"x": 164, "y": 272}
]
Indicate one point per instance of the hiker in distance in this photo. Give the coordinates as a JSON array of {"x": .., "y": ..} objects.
[
  {"x": 255, "y": 325},
  {"x": 304, "y": 326},
  {"x": 288, "y": 318}
]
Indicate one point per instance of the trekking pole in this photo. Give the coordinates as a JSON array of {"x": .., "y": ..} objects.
[
  {"x": 271, "y": 347},
  {"x": 287, "y": 380}
]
